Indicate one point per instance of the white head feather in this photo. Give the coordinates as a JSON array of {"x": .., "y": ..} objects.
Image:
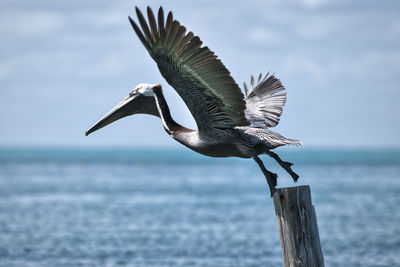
[{"x": 144, "y": 89}]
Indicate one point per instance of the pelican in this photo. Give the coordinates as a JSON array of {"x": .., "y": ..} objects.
[{"x": 228, "y": 124}]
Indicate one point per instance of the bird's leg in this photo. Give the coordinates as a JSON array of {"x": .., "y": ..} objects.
[
  {"x": 284, "y": 164},
  {"x": 270, "y": 176}
]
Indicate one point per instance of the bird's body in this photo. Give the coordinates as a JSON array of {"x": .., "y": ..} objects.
[
  {"x": 241, "y": 141},
  {"x": 229, "y": 125}
]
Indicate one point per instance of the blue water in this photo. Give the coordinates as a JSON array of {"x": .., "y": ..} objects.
[{"x": 75, "y": 207}]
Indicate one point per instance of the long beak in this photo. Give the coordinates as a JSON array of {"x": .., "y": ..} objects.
[{"x": 119, "y": 111}]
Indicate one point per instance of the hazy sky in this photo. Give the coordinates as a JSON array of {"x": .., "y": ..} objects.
[{"x": 64, "y": 64}]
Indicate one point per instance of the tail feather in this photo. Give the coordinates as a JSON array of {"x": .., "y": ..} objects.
[
  {"x": 295, "y": 142},
  {"x": 270, "y": 138}
]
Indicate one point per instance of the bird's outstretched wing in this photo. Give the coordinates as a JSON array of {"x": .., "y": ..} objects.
[
  {"x": 202, "y": 81},
  {"x": 264, "y": 101}
]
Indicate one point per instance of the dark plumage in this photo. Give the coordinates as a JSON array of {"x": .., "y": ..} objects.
[{"x": 228, "y": 124}]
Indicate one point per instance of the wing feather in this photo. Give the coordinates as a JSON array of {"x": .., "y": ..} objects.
[
  {"x": 139, "y": 33},
  {"x": 143, "y": 24},
  {"x": 168, "y": 24},
  {"x": 160, "y": 21},
  {"x": 152, "y": 21},
  {"x": 265, "y": 101},
  {"x": 193, "y": 70}
]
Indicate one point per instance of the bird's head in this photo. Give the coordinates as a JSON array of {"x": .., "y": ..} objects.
[{"x": 139, "y": 101}]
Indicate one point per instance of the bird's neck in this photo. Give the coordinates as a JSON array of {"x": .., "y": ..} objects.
[{"x": 173, "y": 128}]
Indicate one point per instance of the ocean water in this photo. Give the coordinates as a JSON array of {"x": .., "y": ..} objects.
[{"x": 110, "y": 207}]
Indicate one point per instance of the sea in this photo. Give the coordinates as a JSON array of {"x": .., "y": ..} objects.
[{"x": 172, "y": 207}]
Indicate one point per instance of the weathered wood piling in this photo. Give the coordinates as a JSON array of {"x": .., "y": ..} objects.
[{"x": 298, "y": 229}]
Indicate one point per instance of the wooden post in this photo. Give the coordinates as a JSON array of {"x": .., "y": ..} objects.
[{"x": 298, "y": 229}]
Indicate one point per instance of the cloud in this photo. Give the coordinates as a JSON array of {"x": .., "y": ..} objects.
[
  {"x": 313, "y": 3},
  {"x": 394, "y": 30},
  {"x": 306, "y": 66},
  {"x": 371, "y": 65},
  {"x": 261, "y": 36},
  {"x": 30, "y": 24},
  {"x": 317, "y": 28},
  {"x": 54, "y": 50},
  {"x": 6, "y": 70}
]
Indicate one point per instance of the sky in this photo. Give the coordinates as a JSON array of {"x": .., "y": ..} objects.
[{"x": 64, "y": 64}]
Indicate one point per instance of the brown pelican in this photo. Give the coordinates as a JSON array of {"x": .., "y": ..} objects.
[{"x": 229, "y": 125}]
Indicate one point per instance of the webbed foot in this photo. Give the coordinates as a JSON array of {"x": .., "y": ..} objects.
[
  {"x": 284, "y": 164},
  {"x": 270, "y": 176}
]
